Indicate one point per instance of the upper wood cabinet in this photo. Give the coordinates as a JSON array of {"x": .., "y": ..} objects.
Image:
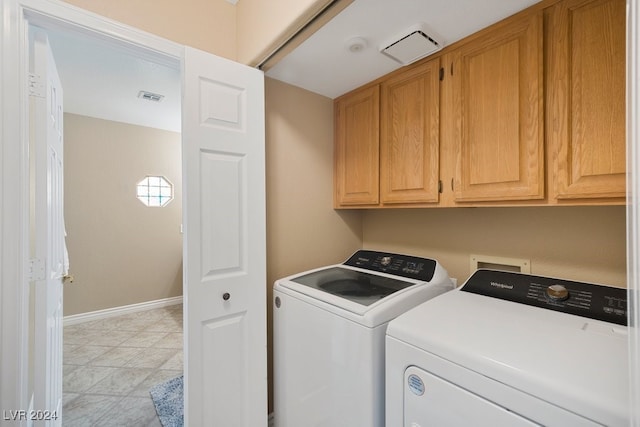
[
  {"x": 356, "y": 148},
  {"x": 530, "y": 111},
  {"x": 410, "y": 135},
  {"x": 586, "y": 99},
  {"x": 497, "y": 113}
]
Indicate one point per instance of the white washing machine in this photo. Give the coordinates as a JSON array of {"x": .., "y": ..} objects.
[
  {"x": 510, "y": 349},
  {"x": 329, "y": 331}
]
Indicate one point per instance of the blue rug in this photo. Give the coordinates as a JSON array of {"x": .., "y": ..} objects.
[{"x": 169, "y": 402}]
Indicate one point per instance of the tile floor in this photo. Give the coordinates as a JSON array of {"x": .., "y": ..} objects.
[{"x": 109, "y": 366}]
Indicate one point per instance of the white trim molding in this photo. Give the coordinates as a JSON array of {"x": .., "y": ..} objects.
[
  {"x": 14, "y": 210},
  {"x": 633, "y": 205},
  {"x": 119, "y": 311}
]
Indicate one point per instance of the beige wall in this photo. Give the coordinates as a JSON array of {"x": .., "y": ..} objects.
[
  {"x": 577, "y": 243},
  {"x": 264, "y": 25},
  {"x": 246, "y": 32},
  {"x": 121, "y": 252},
  {"x": 303, "y": 231},
  {"x": 208, "y": 25}
]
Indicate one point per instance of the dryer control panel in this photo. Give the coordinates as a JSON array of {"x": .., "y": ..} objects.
[
  {"x": 583, "y": 299},
  {"x": 399, "y": 265}
]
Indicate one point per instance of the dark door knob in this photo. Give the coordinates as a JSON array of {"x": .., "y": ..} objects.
[{"x": 226, "y": 296}]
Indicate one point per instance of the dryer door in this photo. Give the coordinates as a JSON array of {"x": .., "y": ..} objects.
[{"x": 432, "y": 401}]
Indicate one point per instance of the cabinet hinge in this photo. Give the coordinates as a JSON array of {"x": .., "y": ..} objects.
[
  {"x": 36, "y": 86},
  {"x": 439, "y": 186},
  {"x": 36, "y": 269},
  {"x": 441, "y": 73}
]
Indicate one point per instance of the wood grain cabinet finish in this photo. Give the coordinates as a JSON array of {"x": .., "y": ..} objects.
[
  {"x": 356, "y": 149},
  {"x": 410, "y": 136},
  {"x": 498, "y": 111},
  {"x": 530, "y": 111},
  {"x": 586, "y": 99}
]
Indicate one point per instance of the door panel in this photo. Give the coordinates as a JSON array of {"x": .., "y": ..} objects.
[
  {"x": 225, "y": 224},
  {"x": 234, "y": 360},
  {"x": 498, "y": 105},
  {"x": 587, "y": 98},
  {"x": 49, "y": 251},
  {"x": 224, "y": 248},
  {"x": 357, "y": 121},
  {"x": 410, "y": 136}
]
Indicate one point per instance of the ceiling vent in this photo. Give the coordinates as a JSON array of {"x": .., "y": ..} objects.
[
  {"x": 150, "y": 96},
  {"x": 411, "y": 45}
]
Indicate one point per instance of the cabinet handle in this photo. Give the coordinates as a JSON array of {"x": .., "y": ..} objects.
[
  {"x": 226, "y": 296},
  {"x": 451, "y": 184}
]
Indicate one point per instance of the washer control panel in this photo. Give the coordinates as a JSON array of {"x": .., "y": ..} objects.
[
  {"x": 583, "y": 299},
  {"x": 399, "y": 265}
]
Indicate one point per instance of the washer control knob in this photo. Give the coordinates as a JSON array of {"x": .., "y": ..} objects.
[
  {"x": 385, "y": 261},
  {"x": 557, "y": 293}
]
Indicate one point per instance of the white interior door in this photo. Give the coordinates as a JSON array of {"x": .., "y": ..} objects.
[
  {"x": 49, "y": 263},
  {"x": 224, "y": 247}
]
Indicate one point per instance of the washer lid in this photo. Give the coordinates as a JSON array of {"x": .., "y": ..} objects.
[{"x": 356, "y": 286}]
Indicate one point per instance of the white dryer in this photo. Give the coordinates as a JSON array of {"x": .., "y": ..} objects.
[
  {"x": 329, "y": 331},
  {"x": 510, "y": 349}
]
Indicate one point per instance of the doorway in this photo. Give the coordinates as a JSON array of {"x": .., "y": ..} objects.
[
  {"x": 119, "y": 141},
  {"x": 224, "y": 223}
]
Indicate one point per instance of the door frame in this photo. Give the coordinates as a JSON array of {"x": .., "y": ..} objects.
[
  {"x": 633, "y": 204},
  {"x": 15, "y": 292}
]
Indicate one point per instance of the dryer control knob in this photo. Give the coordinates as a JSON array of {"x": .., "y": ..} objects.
[{"x": 557, "y": 293}]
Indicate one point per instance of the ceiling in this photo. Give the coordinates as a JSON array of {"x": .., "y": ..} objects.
[
  {"x": 324, "y": 64},
  {"x": 102, "y": 79}
]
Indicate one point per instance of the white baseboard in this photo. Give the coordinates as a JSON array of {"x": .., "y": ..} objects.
[{"x": 118, "y": 311}]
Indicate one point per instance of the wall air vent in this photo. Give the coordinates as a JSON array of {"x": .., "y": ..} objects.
[
  {"x": 411, "y": 45},
  {"x": 150, "y": 96}
]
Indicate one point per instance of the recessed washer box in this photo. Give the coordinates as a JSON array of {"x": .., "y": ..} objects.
[{"x": 516, "y": 265}]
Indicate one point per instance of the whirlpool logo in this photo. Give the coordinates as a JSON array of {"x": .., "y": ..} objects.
[{"x": 501, "y": 285}]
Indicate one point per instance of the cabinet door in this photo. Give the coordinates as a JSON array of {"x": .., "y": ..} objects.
[
  {"x": 356, "y": 154},
  {"x": 586, "y": 98},
  {"x": 497, "y": 104},
  {"x": 410, "y": 136}
]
